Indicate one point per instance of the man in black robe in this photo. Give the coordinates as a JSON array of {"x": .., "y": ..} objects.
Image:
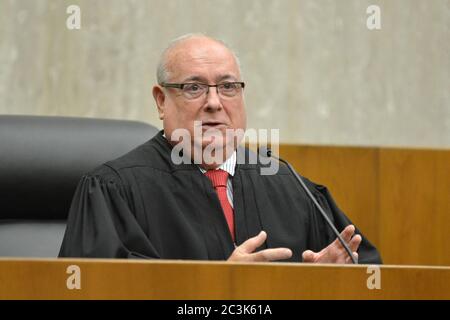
[{"x": 144, "y": 205}]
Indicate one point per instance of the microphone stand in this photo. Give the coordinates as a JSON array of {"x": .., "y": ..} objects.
[{"x": 268, "y": 153}]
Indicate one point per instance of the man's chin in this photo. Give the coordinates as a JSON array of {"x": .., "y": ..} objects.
[
  {"x": 214, "y": 151},
  {"x": 215, "y": 143}
]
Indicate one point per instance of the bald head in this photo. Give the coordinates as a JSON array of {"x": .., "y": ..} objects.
[{"x": 198, "y": 45}]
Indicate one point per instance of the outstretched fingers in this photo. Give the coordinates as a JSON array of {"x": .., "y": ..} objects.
[
  {"x": 309, "y": 256},
  {"x": 348, "y": 233},
  {"x": 349, "y": 259},
  {"x": 246, "y": 251},
  {"x": 252, "y": 244},
  {"x": 272, "y": 254},
  {"x": 355, "y": 242}
]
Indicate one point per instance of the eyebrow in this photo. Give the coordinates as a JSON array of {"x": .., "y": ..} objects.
[{"x": 203, "y": 80}]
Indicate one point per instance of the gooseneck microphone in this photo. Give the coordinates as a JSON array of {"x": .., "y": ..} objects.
[{"x": 266, "y": 152}]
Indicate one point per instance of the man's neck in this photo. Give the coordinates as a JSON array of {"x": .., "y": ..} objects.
[
  {"x": 228, "y": 162},
  {"x": 228, "y": 165}
]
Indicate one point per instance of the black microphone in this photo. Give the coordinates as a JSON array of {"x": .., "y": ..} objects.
[{"x": 266, "y": 152}]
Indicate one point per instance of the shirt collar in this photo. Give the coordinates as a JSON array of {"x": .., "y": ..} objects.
[{"x": 229, "y": 165}]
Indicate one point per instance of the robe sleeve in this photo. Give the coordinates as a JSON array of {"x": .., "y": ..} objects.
[
  {"x": 321, "y": 234},
  {"x": 101, "y": 224}
]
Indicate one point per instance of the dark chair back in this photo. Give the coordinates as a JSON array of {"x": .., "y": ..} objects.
[{"x": 41, "y": 162}]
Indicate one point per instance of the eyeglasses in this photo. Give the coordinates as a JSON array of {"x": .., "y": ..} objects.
[{"x": 196, "y": 90}]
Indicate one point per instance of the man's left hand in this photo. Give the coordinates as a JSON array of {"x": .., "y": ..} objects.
[{"x": 335, "y": 252}]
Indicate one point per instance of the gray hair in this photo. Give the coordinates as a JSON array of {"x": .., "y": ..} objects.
[{"x": 163, "y": 75}]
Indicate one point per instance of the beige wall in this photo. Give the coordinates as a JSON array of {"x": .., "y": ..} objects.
[{"x": 312, "y": 67}]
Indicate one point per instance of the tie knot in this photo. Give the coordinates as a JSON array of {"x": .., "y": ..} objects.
[{"x": 217, "y": 177}]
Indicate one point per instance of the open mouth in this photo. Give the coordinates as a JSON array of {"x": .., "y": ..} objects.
[{"x": 213, "y": 124}]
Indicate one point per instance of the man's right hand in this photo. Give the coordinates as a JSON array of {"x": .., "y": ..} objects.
[{"x": 245, "y": 252}]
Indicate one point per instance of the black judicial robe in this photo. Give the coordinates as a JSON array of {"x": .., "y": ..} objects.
[{"x": 141, "y": 205}]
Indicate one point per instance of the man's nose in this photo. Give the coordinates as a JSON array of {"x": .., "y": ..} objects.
[{"x": 213, "y": 102}]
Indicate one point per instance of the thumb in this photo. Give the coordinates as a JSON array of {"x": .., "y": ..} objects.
[
  {"x": 251, "y": 244},
  {"x": 308, "y": 256}
]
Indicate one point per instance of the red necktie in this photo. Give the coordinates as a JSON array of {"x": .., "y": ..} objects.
[{"x": 219, "y": 180}]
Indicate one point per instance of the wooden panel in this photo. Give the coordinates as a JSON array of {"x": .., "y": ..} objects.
[
  {"x": 415, "y": 206},
  {"x": 133, "y": 279},
  {"x": 399, "y": 198},
  {"x": 349, "y": 173}
]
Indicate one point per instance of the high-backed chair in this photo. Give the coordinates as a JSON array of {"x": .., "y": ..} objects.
[{"x": 41, "y": 161}]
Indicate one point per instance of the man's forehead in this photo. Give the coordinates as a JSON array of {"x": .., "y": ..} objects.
[
  {"x": 217, "y": 77},
  {"x": 200, "y": 46},
  {"x": 197, "y": 59}
]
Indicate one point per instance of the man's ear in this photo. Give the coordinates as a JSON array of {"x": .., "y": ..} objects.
[{"x": 160, "y": 97}]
